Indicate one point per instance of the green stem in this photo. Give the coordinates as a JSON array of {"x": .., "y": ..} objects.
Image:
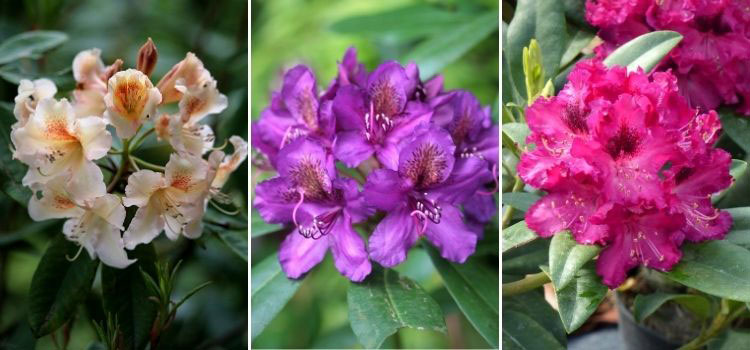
[
  {"x": 528, "y": 283},
  {"x": 718, "y": 324},
  {"x": 124, "y": 163},
  {"x": 147, "y": 165},
  {"x": 508, "y": 215},
  {"x": 141, "y": 138}
]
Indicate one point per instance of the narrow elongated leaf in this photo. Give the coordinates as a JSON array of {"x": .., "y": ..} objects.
[
  {"x": 730, "y": 340},
  {"x": 385, "y": 302},
  {"x": 646, "y": 304},
  {"x": 236, "y": 240},
  {"x": 737, "y": 128},
  {"x": 271, "y": 290},
  {"x": 529, "y": 323},
  {"x": 645, "y": 51},
  {"x": 520, "y": 200},
  {"x": 527, "y": 258},
  {"x": 29, "y": 44},
  {"x": 517, "y": 235},
  {"x": 403, "y": 23},
  {"x": 580, "y": 298},
  {"x": 474, "y": 287},
  {"x": 125, "y": 295},
  {"x": 719, "y": 268},
  {"x": 566, "y": 257},
  {"x": 443, "y": 48},
  {"x": 59, "y": 285}
]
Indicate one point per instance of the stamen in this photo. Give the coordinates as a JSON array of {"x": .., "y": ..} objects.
[
  {"x": 294, "y": 212},
  {"x": 80, "y": 249},
  {"x": 421, "y": 216}
]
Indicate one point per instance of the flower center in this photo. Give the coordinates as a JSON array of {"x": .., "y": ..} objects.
[
  {"x": 310, "y": 177},
  {"x": 377, "y": 125},
  {"x": 624, "y": 143},
  {"x": 320, "y": 226},
  {"x": 426, "y": 165}
]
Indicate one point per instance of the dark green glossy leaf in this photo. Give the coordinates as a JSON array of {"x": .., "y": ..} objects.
[
  {"x": 730, "y": 340},
  {"x": 580, "y": 298},
  {"x": 646, "y": 304},
  {"x": 580, "y": 40},
  {"x": 474, "y": 287},
  {"x": 527, "y": 258},
  {"x": 235, "y": 240},
  {"x": 271, "y": 290},
  {"x": 517, "y": 235},
  {"x": 517, "y": 133},
  {"x": 719, "y": 268},
  {"x": 740, "y": 231},
  {"x": 529, "y": 323},
  {"x": 645, "y": 51},
  {"x": 385, "y": 302},
  {"x": 737, "y": 128},
  {"x": 29, "y": 44},
  {"x": 125, "y": 295},
  {"x": 566, "y": 257},
  {"x": 520, "y": 200},
  {"x": 443, "y": 48},
  {"x": 738, "y": 170},
  {"x": 11, "y": 170},
  {"x": 59, "y": 285}
]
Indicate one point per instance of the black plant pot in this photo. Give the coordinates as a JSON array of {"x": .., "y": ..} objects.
[{"x": 636, "y": 336}]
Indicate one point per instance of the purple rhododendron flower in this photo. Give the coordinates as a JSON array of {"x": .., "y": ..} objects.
[
  {"x": 627, "y": 164},
  {"x": 294, "y": 111},
  {"x": 711, "y": 62},
  {"x": 322, "y": 206},
  {"x": 420, "y": 198}
]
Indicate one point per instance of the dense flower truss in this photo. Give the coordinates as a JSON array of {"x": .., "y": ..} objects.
[
  {"x": 64, "y": 144},
  {"x": 627, "y": 164},
  {"x": 712, "y": 61},
  {"x": 421, "y": 154}
]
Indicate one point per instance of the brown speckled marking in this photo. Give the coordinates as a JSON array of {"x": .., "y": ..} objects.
[
  {"x": 130, "y": 98},
  {"x": 426, "y": 165},
  {"x": 309, "y": 175}
]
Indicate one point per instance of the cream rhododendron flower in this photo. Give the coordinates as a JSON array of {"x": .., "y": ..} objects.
[
  {"x": 130, "y": 99},
  {"x": 199, "y": 100},
  {"x": 29, "y": 95},
  {"x": 189, "y": 72},
  {"x": 55, "y": 142},
  {"x": 195, "y": 139},
  {"x": 166, "y": 201},
  {"x": 89, "y": 72},
  {"x": 95, "y": 224},
  {"x": 230, "y": 163}
]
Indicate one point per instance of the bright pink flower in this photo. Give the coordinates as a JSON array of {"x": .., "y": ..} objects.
[{"x": 627, "y": 164}]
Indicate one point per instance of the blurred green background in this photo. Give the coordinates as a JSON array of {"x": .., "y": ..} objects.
[
  {"x": 216, "y": 31},
  {"x": 317, "y": 33}
]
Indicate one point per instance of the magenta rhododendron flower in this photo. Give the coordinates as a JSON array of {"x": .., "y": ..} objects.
[
  {"x": 711, "y": 63},
  {"x": 628, "y": 165}
]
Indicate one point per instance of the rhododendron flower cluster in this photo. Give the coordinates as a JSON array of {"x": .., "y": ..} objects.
[
  {"x": 65, "y": 142},
  {"x": 627, "y": 164},
  {"x": 712, "y": 62},
  {"x": 406, "y": 148}
]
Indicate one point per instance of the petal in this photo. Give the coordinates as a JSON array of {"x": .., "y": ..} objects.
[
  {"x": 298, "y": 254},
  {"x": 384, "y": 190},
  {"x": 416, "y": 115},
  {"x": 190, "y": 70},
  {"x": 613, "y": 264},
  {"x": 109, "y": 207},
  {"x": 468, "y": 176},
  {"x": 352, "y": 148},
  {"x": 348, "y": 249},
  {"x": 387, "y": 87},
  {"x": 111, "y": 249},
  {"x": 355, "y": 200},
  {"x": 231, "y": 163},
  {"x": 428, "y": 158},
  {"x": 349, "y": 108},
  {"x": 480, "y": 208},
  {"x": 86, "y": 181},
  {"x": 455, "y": 241},
  {"x": 299, "y": 95},
  {"x": 145, "y": 226},
  {"x": 55, "y": 202},
  {"x": 141, "y": 186},
  {"x": 308, "y": 166},
  {"x": 186, "y": 173},
  {"x": 557, "y": 212},
  {"x": 393, "y": 237},
  {"x": 94, "y": 138},
  {"x": 87, "y": 65},
  {"x": 130, "y": 99},
  {"x": 199, "y": 101}
]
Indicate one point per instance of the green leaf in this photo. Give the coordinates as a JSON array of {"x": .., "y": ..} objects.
[
  {"x": 260, "y": 227},
  {"x": 719, "y": 268},
  {"x": 527, "y": 258},
  {"x": 517, "y": 133},
  {"x": 271, "y": 290},
  {"x": 529, "y": 323},
  {"x": 125, "y": 295},
  {"x": 646, "y": 304},
  {"x": 520, "y": 200},
  {"x": 737, "y": 128},
  {"x": 580, "y": 40},
  {"x": 730, "y": 340},
  {"x": 645, "y": 51},
  {"x": 738, "y": 170},
  {"x": 566, "y": 257},
  {"x": 403, "y": 23},
  {"x": 29, "y": 44},
  {"x": 475, "y": 288},
  {"x": 59, "y": 285},
  {"x": 579, "y": 299},
  {"x": 740, "y": 231},
  {"x": 517, "y": 235},
  {"x": 11, "y": 170},
  {"x": 236, "y": 240},
  {"x": 385, "y": 302},
  {"x": 544, "y": 21},
  {"x": 443, "y": 48}
]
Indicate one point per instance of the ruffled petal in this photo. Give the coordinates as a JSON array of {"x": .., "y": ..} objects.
[
  {"x": 451, "y": 236},
  {"x": 393, "y": 237},
  {"x": 298, "y": 254}
]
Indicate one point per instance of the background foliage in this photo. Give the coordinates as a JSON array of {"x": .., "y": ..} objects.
[
  {"x": 456, "y": 38},
  {"x": 217, "y": 32}
]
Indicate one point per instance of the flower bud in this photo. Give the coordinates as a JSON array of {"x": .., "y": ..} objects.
[{"x": 147, "y": 57}]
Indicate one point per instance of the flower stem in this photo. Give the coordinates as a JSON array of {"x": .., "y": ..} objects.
[
  {"x": 530, "y": 282},
  {"x": 141, "y": 138},
  {"x": 124, "y": 163},
  {"x": 146, "y": 165},
  {"x": 722, "y": 319}
]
